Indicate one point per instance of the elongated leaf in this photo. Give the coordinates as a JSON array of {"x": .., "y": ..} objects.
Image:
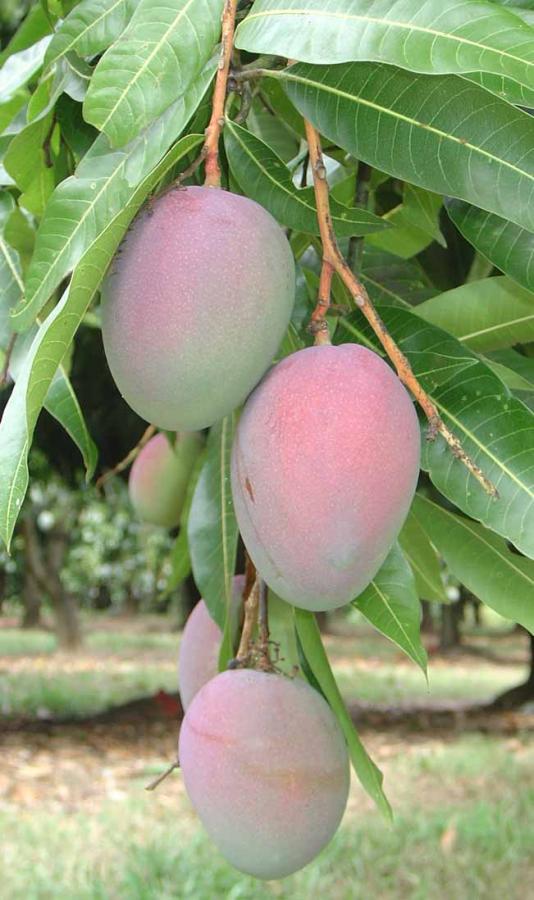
[
  {"x": 61, "y": 401},
  {"x": 90, "y": 28},
  {"x": 154, "y": 63},
  {"x": 82, "y": 206},
  {"x": 212, "y": 526},
  {"x": 393, "y": 281},
  {"x": 369, "y": 775},
  {"x": 415, "y": 224},
  {"x": 390, "y": 603},
  {"x": 20, "y": 67},
  {"x": 423, "y": 559},
  {"x": 504, "y": 87},
  {"x": 52, "y": 342},
  {"x": 523, "y": 366},
  {"x": 441, "y": 133},
  {"x": 264, "y": 177},
  {"x": 496, "y": 429},
  {"x": 505, "y": 244},
  {"x": 482, "y": 561},
  {"x": 422, "y": 36},
  {"x": 486, "y": 315},
  {"x": 33, "y": 27}
]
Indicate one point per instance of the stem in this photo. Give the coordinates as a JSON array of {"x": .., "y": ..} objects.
[
  {"x": 129, "y": 458},
  {"x": 157, "y": 781},
  {"x": 361, "y": 199},
  {"x": 318, "y": 324},
  {"x": 251, "y": 603},
  {"x": 332, "y": 256},
  {"x": 263, "y": 637},
  {"x": 213, "y": 131}
]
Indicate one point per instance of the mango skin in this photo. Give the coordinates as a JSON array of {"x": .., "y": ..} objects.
[
  {"x": 198, "y": 660},
  {"x": 324, "y": 469},
  {"x": 159, "y": 478},
  {"x": 266, "y": 768},
  {"x": 195, "y": 306}
]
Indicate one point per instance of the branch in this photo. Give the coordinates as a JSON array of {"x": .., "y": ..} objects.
[
  {"x": 129, "y": 458},
  {"x": 157, "y": 781},
  {"x": 332, "y": 256},
  {"x": 251, "y": 603},
  {"x": 213, "y": 131}
]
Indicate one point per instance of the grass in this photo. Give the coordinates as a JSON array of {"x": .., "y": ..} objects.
[
  {"x": 76, "y": 823},
  {"x": 463, "y": 830},
  {"x": 122, "y": 660}
]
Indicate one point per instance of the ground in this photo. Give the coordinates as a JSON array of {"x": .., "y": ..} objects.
[{"x": 76, "y": 821}]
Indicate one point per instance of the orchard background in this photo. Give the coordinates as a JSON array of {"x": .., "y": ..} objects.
[{"x": 417, "y": 116}]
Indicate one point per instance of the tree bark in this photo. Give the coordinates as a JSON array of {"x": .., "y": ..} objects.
[
  {"x": 523, "y": 693},
  {"x": 46, "y": 569},
  {"x": 450, "y": 636},
  {"x": 427, "y": 621},
  {"x": 31, "y": 601}
]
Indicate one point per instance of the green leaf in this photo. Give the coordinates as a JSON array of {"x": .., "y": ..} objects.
[
  {"x": 441, "y": 133},
  {"x": 10, "y": 272},
  {"x": 33, "y": 27},
  {"x": 82, "y": 206},
  {"x": 52, "y": 342},
  {"x": 26, "y": 162},
  {"x": 522, "y": 366},
  {"x": 368, "y": 773},
  {"x": 61, "y": 401},
  {"x": 393, "y": 281},
  {"x": 415, "y": 224},
  {"x": 422, "y": 558},
  {"x": 486, "y": 314},
  {"x": 390, "y": 603},
  {"x": 504, "y": 87},
  {"x": 496, "y": 430},
  {"x": 423, "y": 36},
  {"x": 90, "y": 28},
  {"x": 505, "y": 244},
  {"x": 481, "y": 561},
  {"x": 153, "y": 63},
  {"x": 212, "y": 527},
  {"x": 19, "y": 68},
  {"x": 263, "y": 176}
]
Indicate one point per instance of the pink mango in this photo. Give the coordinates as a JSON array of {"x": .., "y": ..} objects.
[
  {"x": 198, "y": 660},
  {"x": 159, "y": 478},
  {"x": 266, "y": 768},
  {"x": 195, "y": 305},
  {"x": 324, "y": 469}
]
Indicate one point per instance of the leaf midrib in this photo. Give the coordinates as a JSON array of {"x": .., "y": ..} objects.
[
  {"x": 388, "y": 111},
  {"x": 87, "y": 28},
  {"x": 148, "y": 60},
  {"x": 407, "y": 26},
  {"x": 464, "y": 524}
]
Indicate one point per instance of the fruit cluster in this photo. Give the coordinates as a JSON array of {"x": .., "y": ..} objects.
[{"x": 324, "y": 468}]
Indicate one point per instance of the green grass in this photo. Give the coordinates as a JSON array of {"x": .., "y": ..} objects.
[
  {"x": 463, "y": 830},
  {"x": 127, "y": 660}
]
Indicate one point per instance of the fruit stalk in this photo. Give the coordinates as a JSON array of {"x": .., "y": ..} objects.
[
  {"x": 213, "y": 131},
  {"x": 333, "y": 258},
  {"x": 148, "y": 433}
]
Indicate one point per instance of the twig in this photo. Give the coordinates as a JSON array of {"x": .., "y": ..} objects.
[
  {"x": 264, "y": 661},
  {"x": 129, "y": 458},
  {"x": 361, "y": 199},
  {"x": 251, "y": 616},
  {"x": 4, "y": 374},
  {"x": 157, "y": 781},
  {"x": 332, "y": 256},
  {"x": 213, "y": 131}
]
